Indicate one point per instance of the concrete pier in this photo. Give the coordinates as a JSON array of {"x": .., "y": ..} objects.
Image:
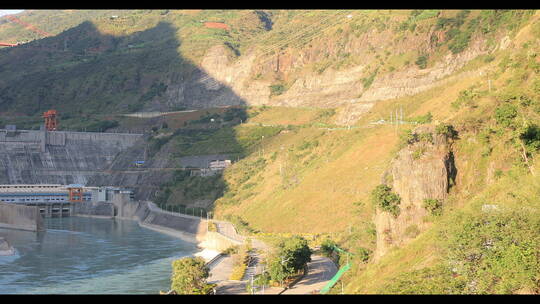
[{"x": 21, "y": 217}]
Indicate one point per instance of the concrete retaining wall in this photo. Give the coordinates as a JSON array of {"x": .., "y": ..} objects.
[
  {"x": 21, "y": 217},
  {"x": 148, "y": 215},
  {"x": 94, "y": 209},
  {"x": 216, "y": 241}
]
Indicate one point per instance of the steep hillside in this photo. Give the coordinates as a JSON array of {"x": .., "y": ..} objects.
[
  {"x": 409, "y": 138},
  {"x": 127, "y": 61}
]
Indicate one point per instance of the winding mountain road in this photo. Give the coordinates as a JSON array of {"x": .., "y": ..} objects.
[{"x": 320, "y": 271}]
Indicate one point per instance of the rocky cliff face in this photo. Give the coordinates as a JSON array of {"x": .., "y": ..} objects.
[
  {"x": 223, "y": 80},
  {"x": 422, "y": 170}
]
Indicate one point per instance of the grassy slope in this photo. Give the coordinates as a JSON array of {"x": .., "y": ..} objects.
[
  {"x": 351, "y": 162},
  {"x": 513, "y": 190}
]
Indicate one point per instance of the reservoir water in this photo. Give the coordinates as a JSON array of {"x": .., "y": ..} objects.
[{"x": 78, "y": 255}]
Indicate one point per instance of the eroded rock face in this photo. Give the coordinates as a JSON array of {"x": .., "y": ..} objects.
[
  {"x": 223, "y": 80},
  {"x": 423, "y": 170}
]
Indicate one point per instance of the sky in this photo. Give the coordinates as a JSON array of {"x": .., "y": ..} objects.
[{"x": 8, "y": 12}]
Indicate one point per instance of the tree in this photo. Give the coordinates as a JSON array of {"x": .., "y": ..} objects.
[
  {"x": 296, "y": 251},
  {"x": 293, "y": 255},
  {"x": 189, "y": 276},
  {"x": 383, "y": 197}
]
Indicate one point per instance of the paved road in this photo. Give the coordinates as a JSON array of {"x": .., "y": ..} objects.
[
  {"x": 320, "y": 271},
  {"x": 220, "y": 269}
]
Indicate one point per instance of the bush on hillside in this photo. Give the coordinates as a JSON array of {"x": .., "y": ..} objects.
[
  {"x": 434, "y": 206},
  {"x": 386, "y": 200},
  {"x": 421, "y": 62},
  {"x": 495, "y": 252},
  {"x": 327, "y": 247},
  {"x": 446, "y": 130},
  {"x": 505, "y": 115}
]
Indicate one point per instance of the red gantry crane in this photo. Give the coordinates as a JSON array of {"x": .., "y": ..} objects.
[{"x": 51, "y": 121}]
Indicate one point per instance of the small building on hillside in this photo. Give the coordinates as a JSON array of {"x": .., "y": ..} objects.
[{"x": 219, "y": 164}]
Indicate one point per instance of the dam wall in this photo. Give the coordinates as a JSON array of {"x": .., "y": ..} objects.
[
  {"x": 94, "y": 209},
  {"x": 59, "y": 157},
  {"x": 14, "y": 216}
]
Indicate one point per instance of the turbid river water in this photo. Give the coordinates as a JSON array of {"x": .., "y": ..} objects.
[{"x": 78, "y": 255}]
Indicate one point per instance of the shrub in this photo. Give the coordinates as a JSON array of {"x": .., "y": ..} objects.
[
  {"x": 277, "y": 89},
  {"x": 327, "y": 247},
  {"x": 466, "y": 97},
  {"x": 434, "y": 206},
  {"x": 363, "y": 254},
  {"x": 446, "y": 130},
  {"x": 495, "y": 252},
  {"x": 425, "y": 137},
  {"x": 505, "y": 114},
  {"x": 531, "y": 138},
  {"x": 421, "y": 62},
  {"x": 407, "y": 137},
  {"x": 383, "y": 197},
  {"x": 240, "y": 263}
]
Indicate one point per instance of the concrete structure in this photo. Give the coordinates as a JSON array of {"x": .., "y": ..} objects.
[
  {"x": 148, "y": 215},
  {"x": 94, "y": 209},
  {"x": 20, "y": 217},
  {"x": 219, "y": 164},
  {"x": 58, "y": 200},
  {"x": 41, "y": 193},
  {"x": 59, "y": 157}
]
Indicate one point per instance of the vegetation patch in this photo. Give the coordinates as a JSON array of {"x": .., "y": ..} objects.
[{"x": 386, "y": 200}]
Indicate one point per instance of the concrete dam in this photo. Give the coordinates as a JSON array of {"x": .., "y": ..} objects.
[{"x": 59, "y": 157}]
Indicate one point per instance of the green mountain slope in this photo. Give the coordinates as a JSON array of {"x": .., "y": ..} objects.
[{"x": 311, "y": 136}]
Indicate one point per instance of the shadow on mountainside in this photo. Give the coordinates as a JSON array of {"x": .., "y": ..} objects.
[{"x": 83, "y": 73}]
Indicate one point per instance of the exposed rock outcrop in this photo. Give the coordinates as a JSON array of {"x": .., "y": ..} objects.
[
  {"x": 5, "y": 248},
  {"x": 422, "y": 170},
  {"x": 224, "y": 81}
]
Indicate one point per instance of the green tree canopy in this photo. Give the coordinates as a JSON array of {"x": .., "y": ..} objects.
[{"x": 189, "y": 276}]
